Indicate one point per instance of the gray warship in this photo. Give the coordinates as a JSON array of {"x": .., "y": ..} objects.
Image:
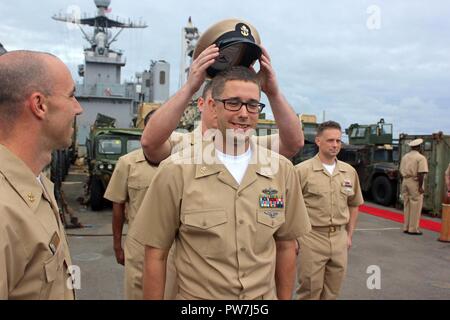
[{"x": 102, "y": 90}]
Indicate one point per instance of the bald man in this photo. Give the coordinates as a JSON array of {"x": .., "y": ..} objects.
[{"x": 37, "y": 112}]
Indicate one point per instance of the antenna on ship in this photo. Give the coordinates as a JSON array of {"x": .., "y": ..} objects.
[
  {"x": 101, "y": 38},
  {"x": 189, "y": 37},
  {"x": 102, "y": 90}
]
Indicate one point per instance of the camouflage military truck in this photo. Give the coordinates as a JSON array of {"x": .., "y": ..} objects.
[
  {"x": 436, "y": 148},
  {"x": 370, "y": 151},
  {"x": 374, "y": 156},
  {"x": 105, "y": 145}
]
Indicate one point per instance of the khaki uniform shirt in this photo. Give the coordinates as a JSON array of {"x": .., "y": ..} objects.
[
  {"x": 225, "y": 232},
  {"x": 412, "y": 163},
  {"x": 328, "y": 197},
  {"x": 34, "y": 255},
  {"x": 179, "y": 141},
  {"x": 129, "y": 182}
]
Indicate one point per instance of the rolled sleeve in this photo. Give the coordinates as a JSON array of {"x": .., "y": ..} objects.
[
  {"x": 422, "y": 165},
  {"x": 117, "y": 190},
  {"x": 357, "y": 199}
]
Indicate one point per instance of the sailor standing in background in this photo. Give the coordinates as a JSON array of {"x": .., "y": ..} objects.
[
  {"x": 126, "y": 189},
  {"x": 413, "y": 168},
  {"x": 332, "y": 196}
]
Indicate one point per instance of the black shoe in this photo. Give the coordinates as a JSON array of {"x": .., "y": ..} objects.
[
  {"x": 405, "y": 231},
  {"x": 415, "y": 233}
]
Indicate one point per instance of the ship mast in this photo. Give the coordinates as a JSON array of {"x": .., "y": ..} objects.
[
  {"x": 101, "y": 39},
  {"x": 189, "y": 37}
]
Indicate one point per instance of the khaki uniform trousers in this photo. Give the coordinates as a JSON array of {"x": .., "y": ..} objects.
[
  {"x": 322, "y": 263},
  {"x": 134, "y": 265},
  {"x": 412, "y": 204}
]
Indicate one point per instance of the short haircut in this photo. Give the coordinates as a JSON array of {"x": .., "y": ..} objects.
[
  {"x": 21, "y": 73},
  {"x": 148, "y": 116},
  {"x": 206, "y": 88},
  {"x": 239, "y": 73},
  {"x": 327, "y": 125}
]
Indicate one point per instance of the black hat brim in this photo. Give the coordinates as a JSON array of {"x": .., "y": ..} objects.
[{"x": 234, "y": 52}]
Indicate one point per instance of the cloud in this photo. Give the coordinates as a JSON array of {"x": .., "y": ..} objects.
[{"x": 325, "y": 56}]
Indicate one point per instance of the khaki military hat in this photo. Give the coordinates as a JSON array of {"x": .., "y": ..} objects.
[
  {"x": 415, "y": 143},
  {"x": 238, "y": 43}
]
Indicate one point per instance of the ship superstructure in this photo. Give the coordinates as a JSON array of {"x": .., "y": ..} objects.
[{"x": 102, "y": 90}]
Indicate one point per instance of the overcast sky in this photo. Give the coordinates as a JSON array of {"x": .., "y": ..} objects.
[{"x": 353, "y": 60}]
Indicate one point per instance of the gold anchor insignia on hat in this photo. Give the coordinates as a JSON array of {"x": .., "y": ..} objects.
[
  {"x": 30, "y": 196},
  {"x": 245, "y": 31}
]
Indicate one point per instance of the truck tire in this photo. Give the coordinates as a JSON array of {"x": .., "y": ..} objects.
[
  {"x": 382, "y": 191},
  {"x": 96, "y": 194}
]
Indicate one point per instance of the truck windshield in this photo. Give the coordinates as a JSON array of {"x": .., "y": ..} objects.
[
  {"x": 382, "y": 155},
  {"x": 387, "y": 129},
  {"x": 110, "y": 146},
  {"x": 133, "y": 145},
  {"x": 358, "y": 133}
]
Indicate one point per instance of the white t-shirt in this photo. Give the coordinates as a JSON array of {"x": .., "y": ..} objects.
[
  {"x": 329, "y": 167},
  {"x": 236, "y": 165}
]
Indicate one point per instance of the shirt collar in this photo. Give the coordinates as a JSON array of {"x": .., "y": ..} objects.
[
  {"x": 140, "y": 155},
  {"x": 263, "y": 161},
  {"x": 21, "y": 178},
  {"x": 317, "y": 165}
]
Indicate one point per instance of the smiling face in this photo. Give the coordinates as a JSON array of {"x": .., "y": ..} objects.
[
  {"x": 236, "y": 126},
  {"x": 62, "y": 105}
]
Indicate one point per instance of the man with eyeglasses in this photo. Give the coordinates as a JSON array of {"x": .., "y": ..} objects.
[
  {"x": 233, "y": 208},
  {"x": 159, "y": 139}
]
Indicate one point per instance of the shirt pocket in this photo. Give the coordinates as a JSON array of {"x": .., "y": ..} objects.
[
  {"x": 316, "y": 198},
  {"x": 344, "y": 195},
  {"x": 54, "y": 276},
  {"x": 269, "y": 221},
  {"x": 205, "y": 230},
  {"x": 137, "y": 188}
]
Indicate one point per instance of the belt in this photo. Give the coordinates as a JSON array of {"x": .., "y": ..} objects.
[
  {"x": 329, "y": 229},
  {"x": 271, "y": 295}
]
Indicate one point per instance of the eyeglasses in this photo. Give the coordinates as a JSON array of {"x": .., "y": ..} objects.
[{"x": 236, "y": 105}]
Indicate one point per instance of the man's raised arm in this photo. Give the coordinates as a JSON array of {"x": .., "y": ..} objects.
[
  {"x": 161, "y": 125},
  {"x": 291, "y": 138}
]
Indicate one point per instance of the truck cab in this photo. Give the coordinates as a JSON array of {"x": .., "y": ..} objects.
[
  {"x": 105, "y": 146},
  {"x": 374, "y": 156}
]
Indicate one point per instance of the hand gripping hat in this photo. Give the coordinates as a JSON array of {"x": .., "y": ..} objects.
[
  {"x": 238, "y": 43},
  {"x": 415, "y": 143}
]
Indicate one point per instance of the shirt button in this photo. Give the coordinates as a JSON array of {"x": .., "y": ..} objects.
[
  {"x": 241, "y": 221},
  {"x": 243, "y": 249}
]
